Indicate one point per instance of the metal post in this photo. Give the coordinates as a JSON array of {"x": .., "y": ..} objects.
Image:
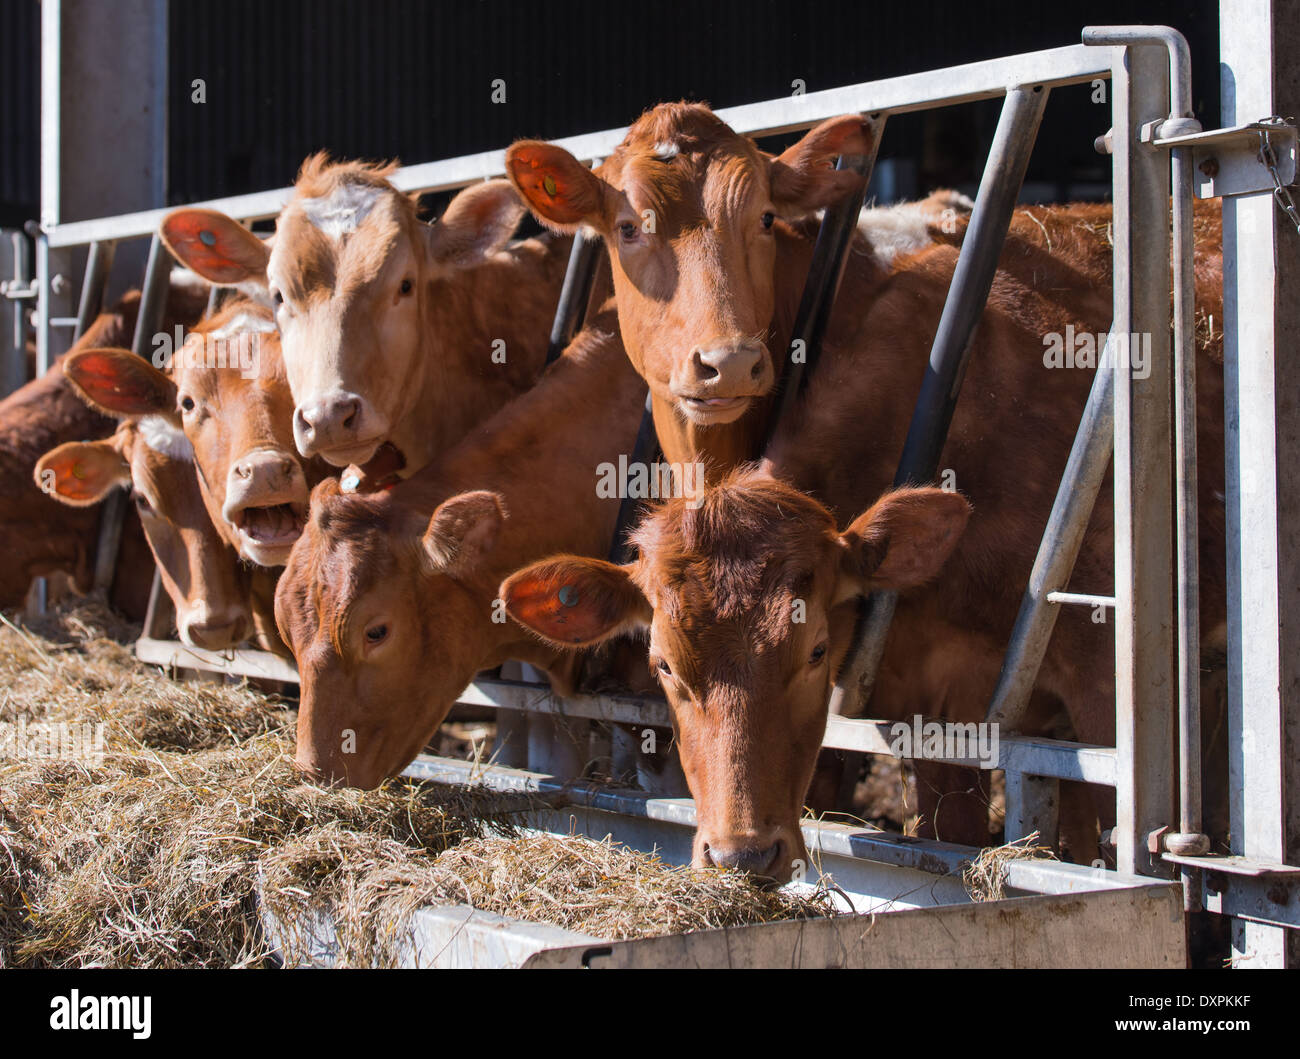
[
  {"x": 98, "y": 267},
  {"x": 1004, "y": 172},
  {"x": 572, "y": 307},
  {"x": 153, "y": 303},
  {"x": 1261, "y": 303},
  {"x": 1075, "y": 498},
  {"x": 1145, "y": 678},
  {"x": 825, "y": 273}
]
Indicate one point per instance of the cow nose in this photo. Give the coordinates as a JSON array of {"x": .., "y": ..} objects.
[
  {"x": 268, "y": 464},
  {"x": 320, "y": 422},
  {"x": 215, "y": 632},
  {"x": 728, "y": 366},
  {"x": 747, "y": 857}
]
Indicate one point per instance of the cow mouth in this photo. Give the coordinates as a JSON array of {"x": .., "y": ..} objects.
[
  {"x": 712, "y": 411},
  {"x": 274, "y": 526},
  {"x": 360, "y": 453}
]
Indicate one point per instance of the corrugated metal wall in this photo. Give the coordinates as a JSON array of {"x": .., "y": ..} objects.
[{"x": 413, "y": 78}]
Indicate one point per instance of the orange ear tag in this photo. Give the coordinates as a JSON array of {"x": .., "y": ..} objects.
[{"x": 548, "y": 182}]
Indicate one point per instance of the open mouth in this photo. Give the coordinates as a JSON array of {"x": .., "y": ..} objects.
[{"x": 272, "y": 526}]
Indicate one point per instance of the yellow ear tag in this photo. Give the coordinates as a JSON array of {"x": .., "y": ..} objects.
[
  {"x": 78, "y": 472},
  {"x": 548, "y": 182}
]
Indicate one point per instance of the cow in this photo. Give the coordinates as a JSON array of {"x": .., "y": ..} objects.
[
  {"x": 388, "y": 598},
  {"x": 41, "y": 537},
  {"x": 199, "y": 570},
  {"x": 748, "y": 598},
  {"x": 398, "y": 337},
  {"x": 707, "y": 294},
  {"x": 227, "y": 392}
]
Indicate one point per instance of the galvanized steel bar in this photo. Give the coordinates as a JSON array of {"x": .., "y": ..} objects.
[
  {"x": 1085, "y": 471},
  {"x": 1145, "y": 620},
  {"x": 825, "y": 273},
  {"x": 578, "y": 277},
  {"x": 1259, "y": 40},
  {"x": 987, "y": 79},
  {"x": 98, "y": 266},
  {"x": 153, "y": 303},
  {"x": 977, "y": 263}
]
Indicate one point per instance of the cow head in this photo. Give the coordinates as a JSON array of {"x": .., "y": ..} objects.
[
  {"x": 386, "y": 612},
  {"x": 227, "y": 391},
  {"x": 199, "y": 570},
  {"x": 689, "y": 211},
  {"x": 348, "y": 274},
  {"x": 748, "y": 602}
]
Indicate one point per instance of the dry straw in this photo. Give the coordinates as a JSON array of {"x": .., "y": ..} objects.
[{"x": 152, "y": 856}]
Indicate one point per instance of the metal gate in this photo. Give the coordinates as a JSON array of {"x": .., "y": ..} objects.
[{"x": 1149, "y": 423}]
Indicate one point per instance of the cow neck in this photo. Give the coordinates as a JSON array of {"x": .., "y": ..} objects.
[
  {"x": 501, "y": 307},
  {"x": 541, "y": 454}
]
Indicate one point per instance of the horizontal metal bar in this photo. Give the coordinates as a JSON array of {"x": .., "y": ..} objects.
[
  {"x": 933, "y": 88},
  {"x": 833, "y": 841},
  {"x": 538, "y": 698},
  {"x": 1081, "y": 598},
  {"x": 1236, "y": 865},
  {"x": 242, "y": 662},
  {"x": 1261, "y": 899},
  {"x": 1037, "y": 757}
]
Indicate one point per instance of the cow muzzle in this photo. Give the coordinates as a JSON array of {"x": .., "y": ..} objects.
[
  {"x": 339, "y": 427},
  {"x": 767, "y": 854},
  {"x": 214, "y": 630},
  {"x": 720, "y": 379},
  {"x": 266, "y": 505}
]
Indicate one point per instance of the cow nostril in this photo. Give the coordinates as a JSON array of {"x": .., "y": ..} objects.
[
  {"x": 350, "y": 420},
  {"x": 703, "y": 372},
  {"x": 303, "y": 422},
  {"x": 756, "y": 371},
  {"x": 243, "y": 471}
]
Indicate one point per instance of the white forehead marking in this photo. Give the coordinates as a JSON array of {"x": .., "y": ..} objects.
[
  {"x": 343, "y": 210},
  {"x": 164, "y": 438},
  {"x": 244, "y": 322},
  {"x": 666, "y": 151}
]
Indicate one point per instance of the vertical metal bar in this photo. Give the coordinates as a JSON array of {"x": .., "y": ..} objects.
[
  {"x": 572, "y": 306},
  {"x": 153, "y": 303},
  {"x": 13, "y": 372},
  {"x": 1076, "y": 497},
  {"x": 1033, "y": 804},
  {"x": 1145, "y": 678},
  {"x": 98, "y": 266},
  {"x": 1261, "y": 303},
  {"x": 160, "y": 613},
  {"x": 1004, "y": 172},
  {"x": 825, "y": 273}
]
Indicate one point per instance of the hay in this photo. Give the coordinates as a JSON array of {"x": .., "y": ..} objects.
[
  {"x": 985, "y": 877},
  {"x": 150, "y": 855}
]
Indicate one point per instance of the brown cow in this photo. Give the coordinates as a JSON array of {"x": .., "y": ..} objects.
[
  {"x": 200, "y": 571},
  {"x": 396, "y": 333},
  {"x": 388, "y": 599},
  {"x": 738, "y": 594},
  {"x": 41, "y": 537},
  {"x": 706, "y": 296},
  {"x": 228, "y": 393}
]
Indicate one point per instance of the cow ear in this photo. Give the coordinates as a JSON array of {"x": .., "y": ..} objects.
[
  {"x": 81, "y": 473},
  {"x": 217, "y": 247},
  {"x": 575, "y": 602},
  {"x": 462, "y": 531},
  {"x": 902, "y": 541},
  {"x": 478, "y": 222},
  {"x": 119, "y": 383},
  {"x": 804, "y": 177},
  {"x": 561, "y": 191}
]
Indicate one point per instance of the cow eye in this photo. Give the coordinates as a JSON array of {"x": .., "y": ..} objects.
[
  {"x": 141, "y": 502},
  {"x": 187, "y": 403},
  {"x": 376, "y": 634},
  {"x": 277, "y": 298},
  {"x": 628, "y": 231},
  {"x": 407, "y": 286},
  {"x": 818, "y": 653},
  {"x": 767, "y": 219},
  {"x": 662, "y": 665}
]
